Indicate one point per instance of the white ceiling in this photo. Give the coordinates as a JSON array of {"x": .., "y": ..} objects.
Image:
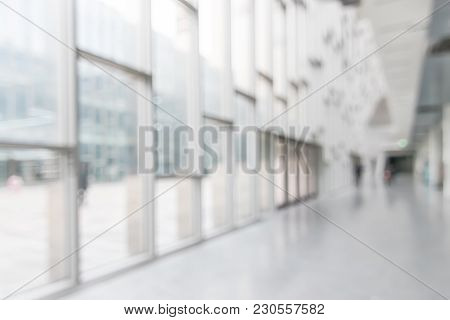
[{"x": 401, "y": 59}]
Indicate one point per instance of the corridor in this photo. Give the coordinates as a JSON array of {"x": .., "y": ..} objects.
[{"x": 297, "y": 254}]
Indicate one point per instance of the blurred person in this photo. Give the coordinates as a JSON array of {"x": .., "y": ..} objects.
[
  {"x": 389, "y": 174},
  {"x": 14, "y": 182},
  {"x": 83, "y": 182},
  {"x": 358, "y": 170}
]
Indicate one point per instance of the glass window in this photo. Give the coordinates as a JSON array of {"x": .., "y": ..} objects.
[
  {"x": 174, "y": 70},
  {"x": 213, "y": 55},
  {"x": 242, "y": 50},
  {"x": 264, "y": 102},
  {"x": 265, "y": 188},
  {"x": 29, "y": 64},
  {"x": 280, "y": 115},
  {"x": 313, "y": 158},
  {"x": 173, "y": 54},
  {"x": 175, "y": 87},
  {"x": 293, "y": 115},
  {"x": 175, "y": 205},
  {"x": 33, "y": 233},
  {"x": 302, "y": 38},
  {"x": 292, "y": 169},
  {"x": 245, "y": 153},
  {"x": 280, "y": 169},
  {"x": 216, "y": 185},
  {"x": 263, "y": 34},
  {"x": 110, "y": 28},
  {"x": 279, "y": 50},
  {"x": 304, "y": 169},
  {"x": 109, "y": 186},
  {"x": 291, "y": 40}
]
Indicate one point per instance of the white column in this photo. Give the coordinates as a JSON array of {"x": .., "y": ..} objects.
[
  {"x": 446, "y": 148},
  {"x": 379, "y": 168},
  {"x": 435, "y": 157}
]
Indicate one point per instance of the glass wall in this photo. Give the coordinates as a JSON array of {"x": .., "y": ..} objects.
[
  {"x": 214, "y": 57},
  {"x": 263, "y": 36},
  {"x": 264, "y": 113},
  {"x": 30, "y": 67},
  {"x": 280, "y": 171},
  {"x": 314, "y": 157},
  {"x": 279, "y": 49},
  {"x": 265, "y": 187},
  {"x": 304, "y": 171},
  {"x": 242, "y": 46},
  {"x": 217, "y": 181},
  {"x": 69, "y": 120},
  {"x": 36, "y": 172},
  {"x": 111, "y": 29},
  {"x": 245, "y": 157},
  {"x": 175, "y": 92},
  {"x": 108, "y": 166},
  {"x": 33, "y": 220},
  {"x": 215, "y": 90},
  {"x": 292, "y": 172}
]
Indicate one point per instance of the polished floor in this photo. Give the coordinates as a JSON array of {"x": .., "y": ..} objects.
[{"x": 296, "y": 254}]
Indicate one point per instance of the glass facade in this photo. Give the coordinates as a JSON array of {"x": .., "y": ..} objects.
[
  {"x": 108, "y": 166},
  {"x": 69, "y": 138},
  {"x": 217, "y": 182},
  {"x": 175, "y": 87},
  {"x": 111, "y": 29},
  {"x": 245, "y": 160},
  {"x": 35, "y": 230},
  {"x": 30, "y": 64}
]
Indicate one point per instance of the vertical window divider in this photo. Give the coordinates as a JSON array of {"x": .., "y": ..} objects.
[
  {"x": 72, "y": 158},
  {"x": 145, "y": 118}
]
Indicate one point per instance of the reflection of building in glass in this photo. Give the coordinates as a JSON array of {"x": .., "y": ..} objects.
[
  {"x": 27, "y": 94},
  {"x": 107, "y": 125}
]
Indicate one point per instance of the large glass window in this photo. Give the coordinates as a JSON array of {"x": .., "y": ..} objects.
[
  {"x": 264, "y": 110},
  {"x": 46, "y": 194},
  {"x": 280, "y": 115},
  {"x": 313, "y": 158},
  {"x": 279, "y": 49},
  {"x": 291, "y": 40},
  {"x": 265, "y": 187},
  {"x": 293, "y": 115},
  {"x": 33, "y": 218},
  {"x": 109, "y": 185},
  {"x": 263, "y": 36},
  {"x": 174, "y": 56},
  {"x": 175, "y": 90},
  {"x": 264, "y": 101},
  {"x": 292, "y": 170},
  {"x": 242, "y": 44},
  {"x": 245, "y": 154},
  {"x": 216, "y": 184},
  {"x": 111, "y": 29},
  {"x": 280, "y": 169},
  {"x": 304, "y": 172},
  {"x": 35, "y": 175},
  {"x": 214, "y": 56},
  {"x": 30, "y": 62},
  {"x": 176, "y": 208}
]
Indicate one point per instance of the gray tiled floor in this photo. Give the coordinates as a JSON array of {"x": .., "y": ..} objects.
[{"x": 298, "y": 255}]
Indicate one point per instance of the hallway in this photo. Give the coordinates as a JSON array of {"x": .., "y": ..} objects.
[{"x": 297, "y": 254}]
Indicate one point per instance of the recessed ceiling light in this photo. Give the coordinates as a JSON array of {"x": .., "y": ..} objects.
[{"x": 402, "y": 143}]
